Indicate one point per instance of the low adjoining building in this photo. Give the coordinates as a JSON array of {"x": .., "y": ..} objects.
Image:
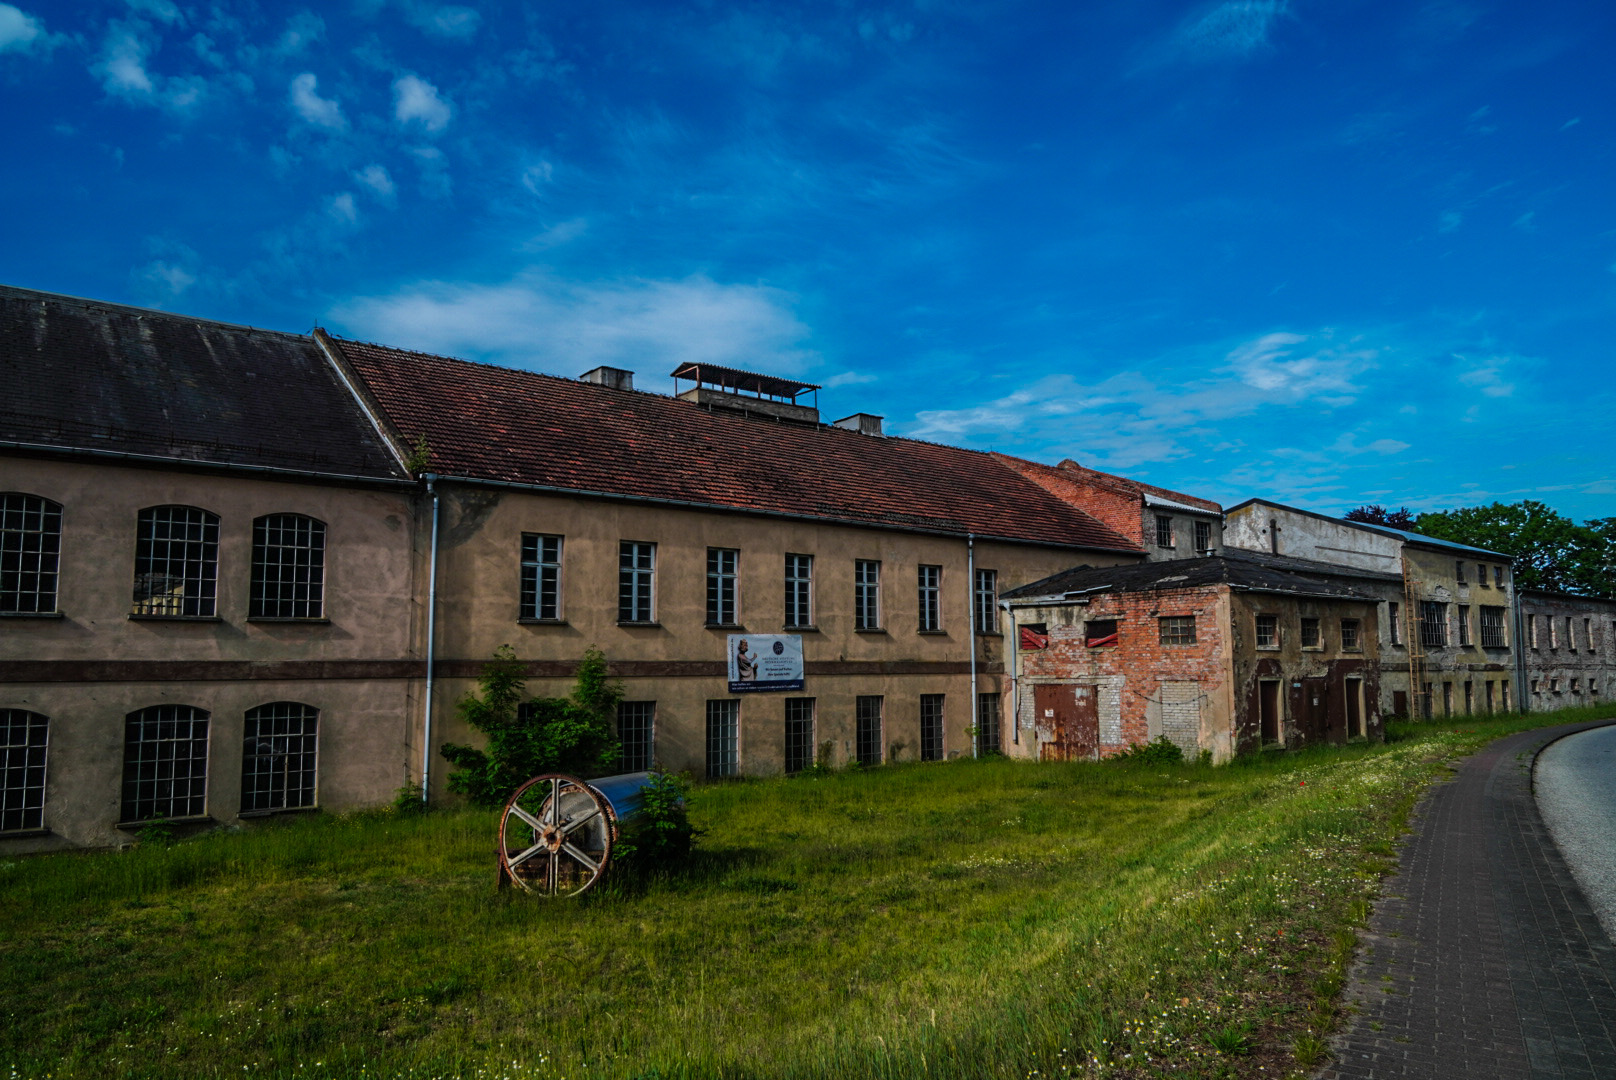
[
  {"x": 1223, "y": 654},
  {"x": 1570, "y": 649}
]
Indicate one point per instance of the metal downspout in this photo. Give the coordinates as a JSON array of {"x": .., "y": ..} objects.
[
  {"x": 970, "y": 585},
  {"x": 431, "y": 643},
  {"x": 1523, "y": 699},
  {"x": 1015, "y": 675}
]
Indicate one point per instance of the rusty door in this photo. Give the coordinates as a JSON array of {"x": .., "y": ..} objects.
[
  {"x": 1068, "y": 722},
  {"x": 1316, "y": 704}
]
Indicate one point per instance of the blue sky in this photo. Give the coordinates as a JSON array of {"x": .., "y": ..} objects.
[{"x": 1325, "y": 252}]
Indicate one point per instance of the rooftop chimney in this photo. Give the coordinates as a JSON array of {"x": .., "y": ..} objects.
[
  {"x": 614, "y": 377},
  {"x": 862, "y": 422}
]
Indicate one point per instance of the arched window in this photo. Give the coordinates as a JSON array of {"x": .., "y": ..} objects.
[
  {"x": 278, "y": 757},
  {"x": 165, "y": 763},
  {"x": 288, "y": 568},
  {"x": 30, "y": 550},
  {"x": 176, "y": 562},
  {"x": 23, "y": 739}
]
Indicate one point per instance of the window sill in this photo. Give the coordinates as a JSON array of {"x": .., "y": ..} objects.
[
  {"x": 131, "y": 826},
  {"x": 248, "y": 815},
  {"x": 870, "y": 630},
  {"x": 1312, "y": 648},
  {"x": 175, "y": 618},
  {"x": 933, "y": 633},
  {"x": 802, "y": 629},
  {"x": 1353, "y": 651},
  {"x": 321, "y": 621},
  {"x": 542, "y": 622},
  {"x": 31, "y": 615},
  {"x": 729, "y": 626},
  {"x": 653, "y": 624},
  {"x": 25, "y": 834},
  {"x": 1266, "y": 648}
]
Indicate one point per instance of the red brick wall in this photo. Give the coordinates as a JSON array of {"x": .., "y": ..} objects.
[{"x": 1112, "y": 503}]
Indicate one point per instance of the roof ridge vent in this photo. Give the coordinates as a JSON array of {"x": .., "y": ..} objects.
[
  {"x": 722, "y": 387},
  {"x": 862, "y": 422}
]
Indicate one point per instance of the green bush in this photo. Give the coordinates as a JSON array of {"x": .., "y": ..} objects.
[
  {"x": 658, "y": 839},
  {"x": 1160, "y": 751},
  {"x": 574, "y": 734}
]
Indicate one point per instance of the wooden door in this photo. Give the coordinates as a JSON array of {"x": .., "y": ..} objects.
[
  {"x": 1316, "y": 706},
  {"x": 1355, "y": 709},
  {"x": 1268, "y": 713},
  {"x": 1068, "y": 722}
]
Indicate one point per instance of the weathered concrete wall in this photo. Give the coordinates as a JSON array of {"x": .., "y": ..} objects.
[
  {"x": 1449, "y": 667},
  {"x": 1303, "y": 536},
  {"x": 1571, "y": 664}
]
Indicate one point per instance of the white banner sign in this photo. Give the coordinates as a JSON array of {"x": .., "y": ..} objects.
[{"x": 759, "y": 662}]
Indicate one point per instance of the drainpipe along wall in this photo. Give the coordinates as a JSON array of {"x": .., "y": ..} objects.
[
  {"x": 431, "y": 641},
  {"x": 970, "y": 592}
]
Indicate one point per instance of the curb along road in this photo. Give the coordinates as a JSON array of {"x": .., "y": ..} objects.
[{"x": 1483, "y": 958}]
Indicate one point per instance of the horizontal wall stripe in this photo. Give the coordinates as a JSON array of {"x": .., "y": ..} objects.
[{"x": 172, "y": 671}]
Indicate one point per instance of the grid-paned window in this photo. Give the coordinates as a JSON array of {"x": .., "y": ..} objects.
[
  {"x": 985, "y": 601},
  {"x": 24, "y": 738},
  {"x": 165, "y": 763},
  {"x": 867, "y": 729},
  {"x": 1350, "y": 638},
  {"x": 931, "y": 727},
  {"x": 799, "y": 733},
  {"x": 866, "y": 594},
  {"x": 1312, "y": 635},
  {"x": 723, "y": 737},
  {"x": 1203, "y": 536},
  {"x": 30, "y": 553},
  {"x": 1177, "y": 629},
  {"x": 931, "y": 598},
  {"x": 987, "y": 724},
  {"x": 1492, "y": 628},
  {"x": 279, "y": 752},
  {"x": 1464, "y": 624},
  {"x": 288, "y": 568},
  {"x": 721, "y": 571},
  {"x": 1433, "y": 623},
  {"x": 176, "y": 561},
  {"x": 799, "y": 590},
  {"x": 541, "y": 577},
  {"x": 1164, "y": 531},
  {"x": 1267, "y": 631},
  {"x": 636, "y": 728},
  {"x": 636, "y": 582}
]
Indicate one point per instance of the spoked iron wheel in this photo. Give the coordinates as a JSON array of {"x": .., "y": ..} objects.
[{"x": 555, "y": 836}]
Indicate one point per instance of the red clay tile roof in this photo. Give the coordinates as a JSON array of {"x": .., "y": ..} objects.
[
  {"x": 501, "y": 424},
  {"x": 1069, "y": 471}
]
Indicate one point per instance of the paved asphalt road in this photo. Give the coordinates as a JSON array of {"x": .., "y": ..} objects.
[{"x": 1575, "y": 784}]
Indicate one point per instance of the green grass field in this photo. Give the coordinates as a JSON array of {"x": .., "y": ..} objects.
[{"x": 968, "y": 919}]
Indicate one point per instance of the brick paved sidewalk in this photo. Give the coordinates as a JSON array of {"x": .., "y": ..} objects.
[{"x": 1482, "y": 958}]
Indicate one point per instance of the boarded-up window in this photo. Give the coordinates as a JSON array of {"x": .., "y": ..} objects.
[{"x": 1100, "y": 634}]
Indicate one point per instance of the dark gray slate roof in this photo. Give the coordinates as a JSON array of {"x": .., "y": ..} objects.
[
  {"x": 1243, "y": 570},
  {"x": 84, "y": 375}
]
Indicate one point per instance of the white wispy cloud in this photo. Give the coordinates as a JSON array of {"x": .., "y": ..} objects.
[
  {"x": 319, "y": 111},
  {"x": 124, "y": 73},
  {"x": 544, "y": 322},
  {"x": 164, "y": 11},
  {"x": 377, "y": 179},
  {"x": 446, "y": 21},
  {"x": 19, "y": 31},
  {"x": 1487, "y": 375},
  {"x": 169, "y": 278},
  {"x": 302, "y": 30},
  {"x": 1232, "y": 28},
  {"x": 1449, "y": 221},
  {"x": 342, "y": 209},
  {"x": 417, "y": 101}
]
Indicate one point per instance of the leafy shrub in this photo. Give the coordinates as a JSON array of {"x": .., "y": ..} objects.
[
  {"x": 1159, "y": 751},
  {"x": 574, "y": 734},
  {"x": 658, "y": 839}
]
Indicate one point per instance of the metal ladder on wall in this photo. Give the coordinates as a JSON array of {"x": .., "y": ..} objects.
[{"x": 1419, "y": 703}]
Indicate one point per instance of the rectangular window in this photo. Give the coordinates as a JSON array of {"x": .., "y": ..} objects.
[
  {"x": 1498, "y": 576},
  {"x": 1464, "y": 624},
  {"x": 930, "y": 599},
  {"x": 1576, "y": 686},
  {"x": 1447, "y": 699},
  {"x": 1490, "y": 707},
  {"x": 867, "y": 735},
  {"x": 931, "y": 727},
  {"x": 30, "y": 554},
  {"x": 1534, "y": 686},
  {"x": 1531, "y": 631},
  {"x": 985, "y": 601},
  {"x": 987, "y": 724},
  {"x": 1503, "y": 694},
  {"x": 1458, "y": 572},
  {"x": 636, "y": 582},
  {"x": 1164, "y": 531},
  {"x": 1554, "y": 686},
  {"x": 288, "y": 568},
  {"x": 799, "y": 590},
  {"x": 1492, "y": 628},
  {"x": 1570, "y": 635},
  {"x": 1481, "y": 575},
  {"x": 866, "y": 594},
  {"x": 1177, "y": 629},
  {"x": 1349, "y": 634},
  {"x": 1394, "y": 618},
  {"x": 723, "y": 738},
  {"x": 165, "y": 763},
  {"x": 1433, "y": 623},
  {"x": 1100, "y": 633},
  {"x": 1554, "y": 631},
  {"x": 541, "y": 577},
  {"x": 24, "y": 737},
  {"x": 636, "y": 732},
  {"x": 278, "y": 759},
  {"x": 1470, "y": 698},
  {"x": 1312, "y": 636},
  {"x": 176, "y": 562},
  {"x": 722, "y": 564},
  {"x": 799, "y": 733},
  {"x": 1268, "y": 631},
  {"x": 1588, "y": 634},
  {"x": 1203, "y": 537}
]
